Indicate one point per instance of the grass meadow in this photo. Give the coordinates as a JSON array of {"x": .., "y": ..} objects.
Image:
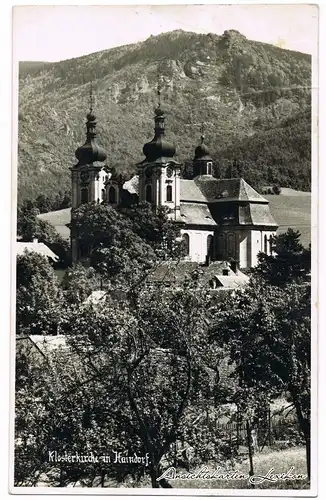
[
  {"x": 292, "y": 209},
  {"x": 280, "y": 461}
]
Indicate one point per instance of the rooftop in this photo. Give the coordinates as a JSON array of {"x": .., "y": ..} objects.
[
  {"x": 35, "y": 246},
  {"x": 222, "y": 190},
  {"x": 59, "y": 219},
  {"x": 177, "y": 272}
]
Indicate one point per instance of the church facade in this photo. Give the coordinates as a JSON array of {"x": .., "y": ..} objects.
[{"x": 220, "y": 219}]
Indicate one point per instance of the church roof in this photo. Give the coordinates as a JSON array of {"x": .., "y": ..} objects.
[
  {"x": 132, "y": 186},
  {"x": 221, "y": 190},
  {"x": 190, "y": 191},
  {"x": 260, "y": 215},
  {"x": 246, "y": 214},
  {"x": 196, "y": 213},
  {"x": 208, "y": 189}
]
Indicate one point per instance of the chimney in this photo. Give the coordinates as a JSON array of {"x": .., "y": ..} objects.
[{"x": 234, "y": 266}]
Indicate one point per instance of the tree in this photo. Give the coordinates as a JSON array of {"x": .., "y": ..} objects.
[
  {"x": 155, "y": 228},
  {"x": 267, "y": 333},
  {"x": 79, "y": 282},
  {"x": 152, "y": 362},
  {"x": 39, "y": 300},
  {"x": 132, "y": 378},
  {"x": 289, "y": 262},
  {"x": 27, "y": 222},
  {"x": 118, "y": 244}
]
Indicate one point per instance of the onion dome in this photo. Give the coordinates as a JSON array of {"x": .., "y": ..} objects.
[
  {"x": 90, "y": 152},
  {"x": 158, "y": 147},
  {"x": 202, "y": 151}
]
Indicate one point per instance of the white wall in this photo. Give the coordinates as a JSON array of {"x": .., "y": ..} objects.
[
  {"x": 257, "y": 245},
  {"x": 197, "y": 244},
  {"x": 244, "y": 237}
]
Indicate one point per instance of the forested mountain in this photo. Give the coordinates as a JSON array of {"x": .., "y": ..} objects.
[{"x": 253, "y": 98}]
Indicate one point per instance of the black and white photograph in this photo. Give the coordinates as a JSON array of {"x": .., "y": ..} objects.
[{"x": 164, "y": 268}]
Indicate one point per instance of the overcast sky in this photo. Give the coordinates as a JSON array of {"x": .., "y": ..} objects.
[{"x": 53, "y": 33}]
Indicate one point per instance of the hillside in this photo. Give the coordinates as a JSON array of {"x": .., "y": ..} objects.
[
  {"x": 292, "y": 209},
  {"x": 249, "y": 95}
]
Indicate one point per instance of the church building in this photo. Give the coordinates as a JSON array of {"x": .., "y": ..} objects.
[{"x": 220, "y": 219}]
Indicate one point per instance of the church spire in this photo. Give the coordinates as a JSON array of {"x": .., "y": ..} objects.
[
  {"x": 158, "y": 149},
  {"x": 90, "y": 152},
  {"x": 159, "y": 113},
  {"x": 91, "y": 98}
]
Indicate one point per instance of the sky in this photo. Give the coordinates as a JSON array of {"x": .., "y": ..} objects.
[{"x": 58, "y": 32}]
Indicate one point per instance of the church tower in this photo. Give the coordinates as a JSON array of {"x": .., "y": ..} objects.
[
  {"x": 202, "y": 163},
  {"x": 159, "y": 172},
  {"x": 87, "y": 177}
]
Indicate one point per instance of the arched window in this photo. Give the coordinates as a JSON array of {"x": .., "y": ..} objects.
[
  {"x": 103, "y": 195},
  {"x": 209, "y": 245},
  {"x": 221, "y": 252},
  {"x": 231, "y": 254},
  {"x": 149, "y": 193},
  {"x": 84, "y": 195},
  {"x": 169, "y": 193},
  {"x": 265, "y": 243},
  {"x": 112, "y": 195},
  {"x": 186, "y": 242},
  {"x": 209, "y": 168}
]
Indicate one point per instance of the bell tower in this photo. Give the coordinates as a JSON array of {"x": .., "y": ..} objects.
[
  {"x": 87, "y": 176},
  {"x": 202, "y": 163},
  {"x": 159, "y": 172}
]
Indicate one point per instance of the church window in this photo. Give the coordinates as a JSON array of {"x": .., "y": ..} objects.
[
  {"x": 209, "y": 245},
  {"x": 221, "y": 247},
  {"x": 209, "y": 168},
  {"x": 265, "y": 244},
  {"x": 186, "y": 242},
  {"x": 149, "y": 193},
  {"x": 169, "y": 193},
  {"x": 112, "y": 195},
  {"x": 231, "y": 253},
  {"x": 271, "y": 245},
  {"x": 84, "y": 195},
  {"x": 103, "y": 195}
]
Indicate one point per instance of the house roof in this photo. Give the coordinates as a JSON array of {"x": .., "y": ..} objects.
[
  {"x": 196, "y": 213},
  {"x": 233, "y": 281},
  {"x": 59, "y": 219},
  {"x": 35, "y": 246},
  {"x": 176, "y": 272},
  {"x": 96, "y": 297},
  {"x": 48, "y": 342}
]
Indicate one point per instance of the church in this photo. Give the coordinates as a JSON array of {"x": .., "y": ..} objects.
[{"x": 220, "y": 219}]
